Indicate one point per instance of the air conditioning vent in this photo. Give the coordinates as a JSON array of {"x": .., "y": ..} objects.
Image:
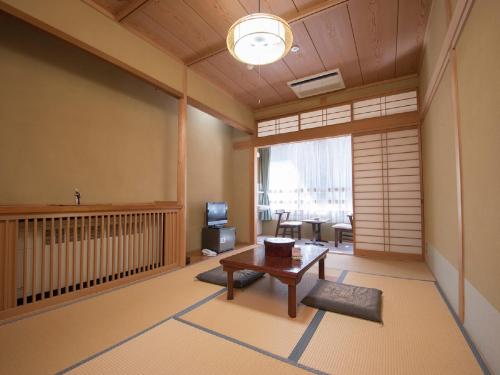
[{"x": 317, "y": 84}]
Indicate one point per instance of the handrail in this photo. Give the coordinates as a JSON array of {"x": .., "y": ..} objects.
[{"x": 35, "y": 209}]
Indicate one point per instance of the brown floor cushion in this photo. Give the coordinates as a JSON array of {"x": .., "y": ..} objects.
[
  {"x": 219, "y": 277},
  {"x": 357, "y": 301}
]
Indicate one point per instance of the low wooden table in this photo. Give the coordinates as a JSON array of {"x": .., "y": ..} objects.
[{"x": 287, "y": 270}]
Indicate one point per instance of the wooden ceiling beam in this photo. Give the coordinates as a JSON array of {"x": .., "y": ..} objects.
[
  {"x": 130, "y": 8},
  {"x": 290, "y": 18}
]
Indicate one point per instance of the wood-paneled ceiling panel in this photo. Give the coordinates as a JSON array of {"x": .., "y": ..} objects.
[
  {"x": 249, "y": 80},
  {"x": 375, "y": 25},
  {"x": 220, "y": 14},
  {"x": 184, "y": 23},
  {"x": 278, "y": 7},
  {"x": 277, "y": 75},
  {"x": 113, "y": 6},
  {"x": 211, "y": 71},
  {"x": 368, "y": 40},
  {"x": 141, "y": 23},
  {"x": 412, "y": 19},
  {"x": 307, "y": 61},
  {"x": 332, "y": 35}
]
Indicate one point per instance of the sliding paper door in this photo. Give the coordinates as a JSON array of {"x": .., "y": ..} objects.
[{"x": 387, "y": 193}]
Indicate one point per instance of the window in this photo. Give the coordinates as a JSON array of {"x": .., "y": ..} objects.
[{"x": 312, "y": 179}]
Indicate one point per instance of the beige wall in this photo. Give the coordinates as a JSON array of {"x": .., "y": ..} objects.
[
  {"x": 215, "y": 172},
  {"x": 436, "y": 32},
  {"x": 69, "y": 119},
  {"x": 209, "y": 165},
  {"x": 478, "y": 55},
  {"x": 478, "y": 77},
  {"x": 79, "y": 23},
  {"x": 438, "y": 157},
  {"x": 223, "y": 104},
  {"x": 240, "y": 201}
]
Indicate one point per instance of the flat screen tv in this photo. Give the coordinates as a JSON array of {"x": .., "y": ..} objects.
[{"x": 216, "y": 214}]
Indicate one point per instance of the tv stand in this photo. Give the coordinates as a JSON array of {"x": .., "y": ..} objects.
[{"x": 218, "y": 239}]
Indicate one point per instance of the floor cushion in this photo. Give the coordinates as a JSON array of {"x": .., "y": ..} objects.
[
  {"x": 357, "y": 301},
  {"x": 240, "y": 278}
]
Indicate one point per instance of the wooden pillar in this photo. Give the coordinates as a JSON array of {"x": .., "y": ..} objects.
[
  {"x": 253, "y": 190},
  {"x": 458, "y": 172},
  {"x": 452, "y": 60},
  {"x": 181, "y": 173}
]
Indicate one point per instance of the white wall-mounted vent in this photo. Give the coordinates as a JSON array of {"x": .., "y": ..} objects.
[{"x": 317, "y": 84}]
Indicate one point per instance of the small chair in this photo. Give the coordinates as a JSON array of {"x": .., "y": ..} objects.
[
  {"x": 342, "y": 228},
  {"x": 287, "y": 225}
]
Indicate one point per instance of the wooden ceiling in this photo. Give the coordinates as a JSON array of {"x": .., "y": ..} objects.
[{"x": 369, "y": 40}]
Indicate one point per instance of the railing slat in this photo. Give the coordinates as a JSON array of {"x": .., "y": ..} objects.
[
  {"x": 102, "y": 272},
  {"x": 82, "y": 247},
  {"x": 44, "y": 238},
  {"x": 143, "y": 242},
  {"x": 95, "y": 252},
  {"x": 67, "y": 237},
  {"x": 115, "y": 249},
  {"x": 120, "y": 245},
  {"x": 51, "y": 269},
  {"x": 25, "y": 262},
  {"x": 108, "y": 247},
  {"x": 75, "y": 241},
  {"x": 33, "y": 264},
  {"x": 154, "y": 240},
  {"x": 89, "y": 251},
  {"x": 59, "y": 258}
]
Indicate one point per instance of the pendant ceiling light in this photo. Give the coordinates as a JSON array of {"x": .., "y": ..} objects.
[{"x": 259, "y": 39}]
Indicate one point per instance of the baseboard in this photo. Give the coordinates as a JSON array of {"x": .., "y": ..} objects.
[
  {"x": 446, "y": 275},
  {"x": 388, "y": 255},
  {"x": 482, "y": 322}
]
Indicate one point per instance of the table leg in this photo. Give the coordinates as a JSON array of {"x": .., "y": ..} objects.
[
  {"x": 336, "y": 237},
  {"x": 230, "y": 294},
  {"x": 322, "y": 268},
  {"x": 292, "y": 301}
]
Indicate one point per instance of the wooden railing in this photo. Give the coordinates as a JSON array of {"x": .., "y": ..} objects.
[{"x": 50, "y": 254}]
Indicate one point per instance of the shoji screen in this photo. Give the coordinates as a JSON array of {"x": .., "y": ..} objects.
[{"x": 387, "y": 192}]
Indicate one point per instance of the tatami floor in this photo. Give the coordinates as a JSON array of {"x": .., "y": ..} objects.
[{"x": 174, "y": 324}]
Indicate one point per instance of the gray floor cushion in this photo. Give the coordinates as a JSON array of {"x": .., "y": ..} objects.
[
  {"x": 219, "y": 277},
  {"x": 364, "y": 303}
]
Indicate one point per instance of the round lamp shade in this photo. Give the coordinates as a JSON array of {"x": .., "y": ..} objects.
[{"x": 259, "y": 39}]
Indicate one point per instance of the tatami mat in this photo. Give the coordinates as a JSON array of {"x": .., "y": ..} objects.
[
  {"x": 251, "y": 333},
  {"x": 419, "y": 335},
  {"x": 404, "y": 269},
  {"x": 56, "y": 339},
  {"x": 257, "y": 311},
  {"x": 191, "y": 352}
]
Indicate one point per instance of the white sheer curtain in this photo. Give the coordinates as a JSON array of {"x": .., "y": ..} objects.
[{"x": 312, "y": 179}]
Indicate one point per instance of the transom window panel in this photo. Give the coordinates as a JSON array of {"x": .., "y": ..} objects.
[
  {"x": 307, "y": 120},
  {"x": 385, "y": 105},
  {"x": 312, "y": 179},
  {"x": 278, "y": 126},
  {"x": 387, "y": 192},
  {"x": 340, "y": 114}
]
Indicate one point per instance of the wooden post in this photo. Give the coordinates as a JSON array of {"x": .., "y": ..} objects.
[
  {"x": 458, "y": 172},
  {"x": 181, "y": 173},
  {"x": 452, "y": 60},
  {"x": 253, "y": 201}
]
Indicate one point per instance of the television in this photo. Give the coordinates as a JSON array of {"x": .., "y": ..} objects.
[{"x": 216, "y": 214}]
